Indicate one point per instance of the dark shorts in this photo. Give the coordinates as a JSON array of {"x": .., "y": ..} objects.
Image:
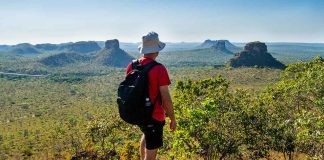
[{"x": 153, "y": 134}]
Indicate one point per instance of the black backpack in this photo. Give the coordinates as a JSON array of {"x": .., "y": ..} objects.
[{"x": 133, "y": 95}]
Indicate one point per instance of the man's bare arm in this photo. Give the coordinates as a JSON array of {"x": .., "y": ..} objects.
[{"x": 168, "y": 106}]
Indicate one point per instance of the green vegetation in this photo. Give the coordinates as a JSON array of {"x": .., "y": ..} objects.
[
  {"x": 287, "y": 117},
  {"x": 228, "y": 116}
]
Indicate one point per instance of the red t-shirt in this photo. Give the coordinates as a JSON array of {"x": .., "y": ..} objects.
[{"x": 158, "y": 76}]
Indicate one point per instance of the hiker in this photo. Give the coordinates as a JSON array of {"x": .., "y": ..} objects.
[{"x": 158, "y": 82}]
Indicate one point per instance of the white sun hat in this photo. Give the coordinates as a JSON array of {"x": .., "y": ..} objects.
[{"x": 151, "y": 44}]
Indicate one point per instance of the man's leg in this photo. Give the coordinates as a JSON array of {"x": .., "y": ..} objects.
[
  {"x": 152, "y": 140},
  {"x": 150, "y": 154},
  {"x": 142, "y": 147}
]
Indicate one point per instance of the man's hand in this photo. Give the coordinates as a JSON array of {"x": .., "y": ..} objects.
[{"x": 173, "y": 125}]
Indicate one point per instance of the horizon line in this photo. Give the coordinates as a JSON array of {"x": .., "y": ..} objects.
[{"x": 301, "y": 42}]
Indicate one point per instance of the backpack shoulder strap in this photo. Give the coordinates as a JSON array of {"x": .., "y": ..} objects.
[{"x": 149, "y": 66}]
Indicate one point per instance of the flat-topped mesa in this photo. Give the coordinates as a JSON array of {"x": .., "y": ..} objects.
[
  {"x": 220, "y": 45},
  {"x": 211, "y": 43},
  {"x": 255, "y": 54},
  {"x": 112, "y": 55},
  {"x": 256, "y": 46},
  {"x": 208, "y": 41},
  {"x": 112, "y": 44}
]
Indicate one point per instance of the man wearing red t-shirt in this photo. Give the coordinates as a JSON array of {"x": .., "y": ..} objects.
[{"x": 158, "y": 89}]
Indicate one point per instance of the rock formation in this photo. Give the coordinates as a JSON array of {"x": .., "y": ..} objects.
[
  {"x": 207, "y": 43},
  {"x": 112, "y": 44},
  {"x": 112, "y": 55},
  {"x": 210, "y": 43},
  {"x": 221, "y": 46},
  {"x": 255, "y": 54}
]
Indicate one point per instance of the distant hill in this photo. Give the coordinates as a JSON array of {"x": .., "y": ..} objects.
[
  {"x": 255, "y": 54},
  {"x": 4, "y": 48},
  {"x": 221, "y": 46},
  {"x": 62, "y": 59},
  {"x": 127, "y": 46},
  {"x": 177, "y": 53},
  {"x": 47, "y": 46},
  {"x": 215, "y": 55},
  {"x": 112, "y": 55},
  {"x": 26, "y": 48},
  {"x": 209, "y": 43},
  {"x": 23, "y": 48},
  {"x": 80, "y": 47}
]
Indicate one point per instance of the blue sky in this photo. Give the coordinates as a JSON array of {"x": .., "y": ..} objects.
[{"x": 55, "y": 21}]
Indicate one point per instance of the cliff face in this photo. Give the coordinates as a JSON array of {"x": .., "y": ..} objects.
[
  {"x": 112, "y": 44},
  {"x": 112, "y": 55},
  {"x": 255, "y": 54}
]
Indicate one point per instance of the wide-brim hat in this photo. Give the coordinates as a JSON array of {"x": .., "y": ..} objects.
[{"x": 151, "y": 44}]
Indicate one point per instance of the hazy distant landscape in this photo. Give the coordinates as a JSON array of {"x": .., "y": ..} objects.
[
  {"x": 54, "y": 96},
  {"x": 247, "y": 78},
  {"x": 175, "y": 54}
]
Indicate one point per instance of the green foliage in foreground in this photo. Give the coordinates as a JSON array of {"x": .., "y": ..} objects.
[
  {"x": 67, "y": 117},
  {"x": 217, "y": 123},
  {"x": 287, "y": 118}
]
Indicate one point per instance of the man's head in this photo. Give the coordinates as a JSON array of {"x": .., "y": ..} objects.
[{"x": 151, "y": 44}]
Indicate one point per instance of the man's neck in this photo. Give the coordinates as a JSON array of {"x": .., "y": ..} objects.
[{"x": 150, "y": 56}]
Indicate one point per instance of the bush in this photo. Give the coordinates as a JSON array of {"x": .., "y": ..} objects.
[{"x": 216, "y": 123}]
